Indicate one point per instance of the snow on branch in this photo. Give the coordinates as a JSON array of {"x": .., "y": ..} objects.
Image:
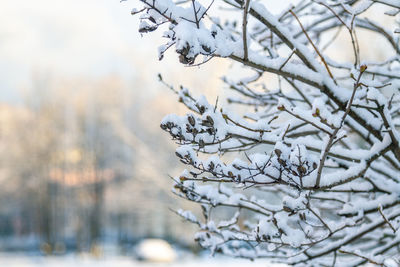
[{"x": 309, "y": 174}]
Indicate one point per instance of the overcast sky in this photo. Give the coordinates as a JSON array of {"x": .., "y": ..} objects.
[
  {"x": 67, "y": 37},
  {"x": 83, "y": 38}
]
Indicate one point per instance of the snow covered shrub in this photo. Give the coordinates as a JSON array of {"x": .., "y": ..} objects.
[{"x": 315, "y": 177}]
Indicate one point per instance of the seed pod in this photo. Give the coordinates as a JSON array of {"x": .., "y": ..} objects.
[
  {"x": 363, "y": 68},
  {"x": 202, "y": 109},
  {"x": 210, "y": 120},
  {"x": 301, "y": 169},
  {"x": 287, "y": 209},
  {"x": 201, "y": 143},
  {"x": 191, "y": 120},
  {"x": 282, "y": 162},
  {"x": 206, "y": 48},
  {"x": 316, "y": 113},
  {"x": 211, "y": 166}
]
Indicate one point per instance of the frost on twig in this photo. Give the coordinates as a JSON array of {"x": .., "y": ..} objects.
[{"x": 310, "y": 173}]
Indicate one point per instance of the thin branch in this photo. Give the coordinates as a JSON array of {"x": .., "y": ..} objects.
[
  {"x": 333, "y": 136},
  {"x": 386, "y": 220},
  {"x": 315, "y": 48},
  {"x": 244, "y": 29}
]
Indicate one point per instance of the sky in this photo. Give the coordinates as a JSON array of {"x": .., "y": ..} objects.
[
  {"x": 69, "y": 37},
  {"x": 90, "y": 38},
  {"x": 82, "y": 39}
]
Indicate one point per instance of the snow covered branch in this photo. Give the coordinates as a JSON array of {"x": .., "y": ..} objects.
[{"x": 310, "y": 173}]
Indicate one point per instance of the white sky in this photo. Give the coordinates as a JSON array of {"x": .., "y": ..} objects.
[
  {"x": 68, "y": 37},
  {"x": 83, "y": 38}
]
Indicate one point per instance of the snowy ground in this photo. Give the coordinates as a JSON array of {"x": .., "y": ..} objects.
[{"x": 19, "y": 260}]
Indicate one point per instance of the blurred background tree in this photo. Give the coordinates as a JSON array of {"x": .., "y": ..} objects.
[{"x": 77, "y": 168}]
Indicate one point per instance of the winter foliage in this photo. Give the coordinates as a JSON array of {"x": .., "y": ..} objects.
[{"x": 310, "y": 171}]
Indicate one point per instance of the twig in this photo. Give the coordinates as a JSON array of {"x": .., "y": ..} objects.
[
  {"x": 287, "y": 60},
  {"x": 333, "y": 136},
  {"x": 244, "y": 25},
  {"x": 195, "y": 13},
  {"x": 315, "y": 48},
  {"x": 361, "y": 256},
  {"x": 386, "y": 220}
]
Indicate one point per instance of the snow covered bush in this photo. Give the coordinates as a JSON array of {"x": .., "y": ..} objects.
[{"x": 311, "y": 168}]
